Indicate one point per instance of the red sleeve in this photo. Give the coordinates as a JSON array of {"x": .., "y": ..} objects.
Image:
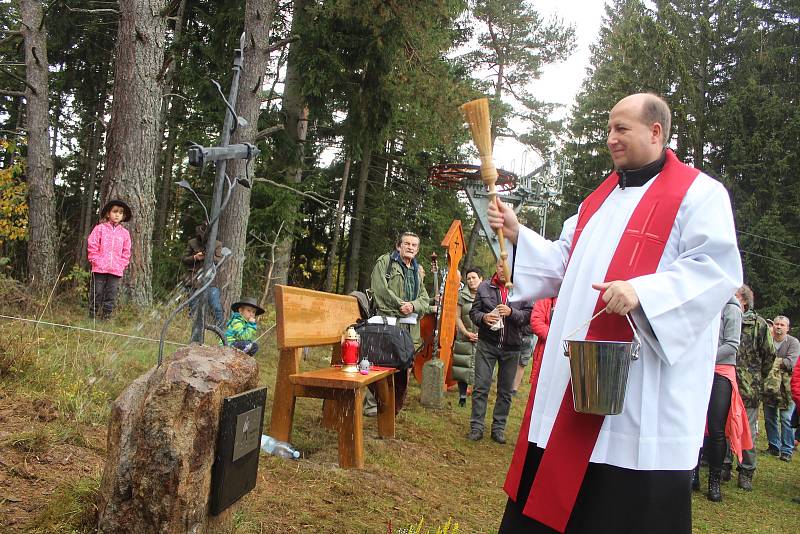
[
  {"x": 540, "y": 318},
  {"x": 796, "y": 385}
]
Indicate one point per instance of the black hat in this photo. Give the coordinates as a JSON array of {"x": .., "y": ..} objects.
[
  {"x": 111, "y": 203},
  {"x": 247, "y": 301}
]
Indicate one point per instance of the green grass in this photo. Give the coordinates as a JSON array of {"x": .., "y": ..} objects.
[
  {"x": 73, "y": 509},
  {"x": 428, "y": 479}
]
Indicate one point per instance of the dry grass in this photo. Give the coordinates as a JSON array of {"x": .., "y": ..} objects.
[{"x": 428, "y": 479}]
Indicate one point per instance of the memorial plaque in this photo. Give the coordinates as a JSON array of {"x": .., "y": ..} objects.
[
  {"x": 248, "y": 432},
  {"x": 236, "y": 462}
]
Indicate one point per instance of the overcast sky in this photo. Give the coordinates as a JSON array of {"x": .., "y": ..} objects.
[{"x": 561, "y": 82}]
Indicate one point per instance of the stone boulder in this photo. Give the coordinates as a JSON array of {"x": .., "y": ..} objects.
[{"x": 162, "y": 436}]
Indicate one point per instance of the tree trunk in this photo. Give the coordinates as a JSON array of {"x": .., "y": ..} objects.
[
  {"x": 133, "y": 134},
  {"x": 42, "y": 252},
  {"x": 353, "y": 265},
  {"x": 292, "y": 106},
  {"x": 472, "y": 244},
  {"x": 172, "y": 108},
  {"x": 233, "y": 222},
  {"x": 333, "y": 253},
  {"x": 92, "y": 160},
  {"x": 165, "y": 194}
]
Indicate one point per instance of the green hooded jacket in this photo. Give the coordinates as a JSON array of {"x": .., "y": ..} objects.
[{"x": 388, "y": 283}]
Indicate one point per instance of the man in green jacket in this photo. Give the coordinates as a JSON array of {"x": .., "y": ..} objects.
[
  {"x": 398, "y": 291},
  {"x": 753, "y": 363}
]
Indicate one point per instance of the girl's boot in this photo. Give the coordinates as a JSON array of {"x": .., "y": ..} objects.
[
  {"x": 714, "y": 479},
  {"x": 696, "y": 478}
]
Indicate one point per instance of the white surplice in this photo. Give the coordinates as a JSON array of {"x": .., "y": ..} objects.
[{"x": 663, "y": 420}]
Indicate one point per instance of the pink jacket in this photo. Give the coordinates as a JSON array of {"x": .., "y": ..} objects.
[
  {"x": 109, "y": 248},
  {"x": 796, "y": 383}
]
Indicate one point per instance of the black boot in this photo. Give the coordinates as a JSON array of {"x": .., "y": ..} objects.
[
  {"x": 714, "y": 479},
  {"x": 696, "y": 478},
  {"x": 746, "y": 479}
]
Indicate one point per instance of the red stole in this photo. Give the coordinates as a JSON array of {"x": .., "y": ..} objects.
[{"x": 573, "y": 437}]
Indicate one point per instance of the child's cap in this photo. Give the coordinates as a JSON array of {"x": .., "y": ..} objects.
[
  {"x": 111, "y": 203},
  {"x": 247, "y": 301}
]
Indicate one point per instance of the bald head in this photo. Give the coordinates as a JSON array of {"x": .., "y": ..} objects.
[{"x": 638, "y": 128}]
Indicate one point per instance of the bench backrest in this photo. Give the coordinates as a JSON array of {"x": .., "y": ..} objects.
[{"x": 307, "y": 318}]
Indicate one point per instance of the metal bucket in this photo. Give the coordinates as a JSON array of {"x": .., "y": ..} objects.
[{"x": 599, "y": 371}]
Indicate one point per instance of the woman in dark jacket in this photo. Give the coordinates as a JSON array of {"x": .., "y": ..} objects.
[{"x": 466, "y": 335}]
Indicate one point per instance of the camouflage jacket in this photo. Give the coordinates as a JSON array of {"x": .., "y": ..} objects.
[
  {"x": 777, "y": 385},
  {"x": 754, "y": 358}
]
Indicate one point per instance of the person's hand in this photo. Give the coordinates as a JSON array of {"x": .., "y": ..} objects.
[
  {"x": 406, "y": 308},
  {"x": 502, "y": 216},
  {"x": 199, "y": 256},
  {"x": 435, "y": 309},
  {"x": 503, "y": 310},
  {"x": 619, "y": 296},
  {"x": 491, "y": 317},
  {"x": 472, "y": 336}
]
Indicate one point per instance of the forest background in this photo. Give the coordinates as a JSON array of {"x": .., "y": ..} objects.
[{"x": 350, "y": 102}]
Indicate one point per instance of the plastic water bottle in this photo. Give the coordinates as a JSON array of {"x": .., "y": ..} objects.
[{"x": 274, "y": 447}]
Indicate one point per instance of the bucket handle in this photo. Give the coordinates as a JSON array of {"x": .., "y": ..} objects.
[{"x": 637, "y": 341}]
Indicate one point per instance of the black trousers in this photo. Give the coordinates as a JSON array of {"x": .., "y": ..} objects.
[
  {"x": 719, "y": 404},
  {"x": 103, "y": 289},
  {"x": 612, "y": 500}
]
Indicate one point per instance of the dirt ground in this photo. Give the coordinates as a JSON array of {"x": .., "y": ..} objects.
[{"x": 39, "y": 453}]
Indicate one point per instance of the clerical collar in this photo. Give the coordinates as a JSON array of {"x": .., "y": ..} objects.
[{"x": 639, "y": 177}]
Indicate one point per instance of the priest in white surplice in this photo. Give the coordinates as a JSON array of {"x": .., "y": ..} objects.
[{"x": 655, "y": 240}]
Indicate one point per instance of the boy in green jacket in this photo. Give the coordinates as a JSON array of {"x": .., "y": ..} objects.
[{"x": 241, "y": 329}]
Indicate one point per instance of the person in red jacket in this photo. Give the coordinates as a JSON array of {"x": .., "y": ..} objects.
[
  {"x": 795, "y": 387},
  {"x": 540, "y": 325}
]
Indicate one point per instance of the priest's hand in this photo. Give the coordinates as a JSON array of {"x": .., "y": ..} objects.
[
  {"x": 619, "y": 296},
  {"x": 503, "y": 216}
]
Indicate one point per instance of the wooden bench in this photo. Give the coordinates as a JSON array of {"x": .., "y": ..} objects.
[{"x": 307, "y": 318}]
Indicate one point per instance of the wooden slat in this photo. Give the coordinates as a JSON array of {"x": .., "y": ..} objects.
[
  {"x": 280, "y": 425},
  {"x": 351, "y": 435},
  {"x": 334, "y": 377},
  {"x": 308, "y": 318},
  {"x": 385, "y": 398}
]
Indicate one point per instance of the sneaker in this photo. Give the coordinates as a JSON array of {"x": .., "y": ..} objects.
[
  {"x": 786, "y": 457},
  {"x": 475, "y": 435},
  {"x": 498, "y": 436},
  {"x": 772, "y": 451}
]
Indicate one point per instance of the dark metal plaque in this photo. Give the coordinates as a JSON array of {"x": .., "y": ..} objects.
[
  {"x": 236, "y": 461},
  {"x": 248, "y": 432}
]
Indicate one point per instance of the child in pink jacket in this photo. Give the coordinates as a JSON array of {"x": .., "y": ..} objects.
[{"x": 109, "y": 251}]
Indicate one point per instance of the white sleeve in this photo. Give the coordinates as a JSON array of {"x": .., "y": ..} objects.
[
  {"x": 682, "y": 298},
  {"x": 539, "y": 264}
]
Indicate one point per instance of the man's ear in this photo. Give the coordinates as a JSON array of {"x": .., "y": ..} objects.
[{"x": 656, "y": 131}]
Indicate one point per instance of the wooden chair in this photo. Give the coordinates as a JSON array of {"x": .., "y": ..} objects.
[{"x": 307, "y": 318}]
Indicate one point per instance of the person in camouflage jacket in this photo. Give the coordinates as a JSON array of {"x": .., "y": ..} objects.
[{"x": 753, "y": 363}]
